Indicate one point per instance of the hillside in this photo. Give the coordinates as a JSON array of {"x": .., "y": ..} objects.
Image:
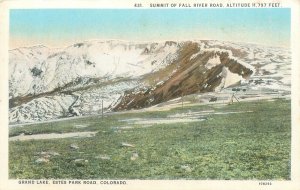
[{"x": 49, "y": 83}]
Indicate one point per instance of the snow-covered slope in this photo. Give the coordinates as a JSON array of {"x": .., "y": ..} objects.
[
  {"x": 39, "y": 70},
  {"x": 49, "y": 83},
  {"x": 272, "y": 65}
]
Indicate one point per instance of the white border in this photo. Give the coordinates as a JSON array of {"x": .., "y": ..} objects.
[{"x": 6, "y": 184}]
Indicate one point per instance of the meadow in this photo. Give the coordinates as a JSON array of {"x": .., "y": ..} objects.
[{"x": 251, "y": 140}]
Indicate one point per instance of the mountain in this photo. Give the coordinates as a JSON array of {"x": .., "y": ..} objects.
[{"x": 49, "y": 83}]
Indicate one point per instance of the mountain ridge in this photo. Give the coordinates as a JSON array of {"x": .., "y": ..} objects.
[{"x": 46, "y": 84}]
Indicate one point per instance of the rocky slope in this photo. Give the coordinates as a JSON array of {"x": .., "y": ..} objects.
[{"x": 53, "y": 83}]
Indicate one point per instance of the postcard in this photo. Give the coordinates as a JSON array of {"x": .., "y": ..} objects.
[{"x": 150, "y": 94}]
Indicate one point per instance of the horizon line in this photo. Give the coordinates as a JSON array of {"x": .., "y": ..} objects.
[{"x": 145, "y": 41}]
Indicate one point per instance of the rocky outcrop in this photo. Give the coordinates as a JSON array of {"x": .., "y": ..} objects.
[{"x": 192, "y": 76}]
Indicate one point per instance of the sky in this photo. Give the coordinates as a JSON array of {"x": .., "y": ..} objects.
[{"x": 62, "y": 27}]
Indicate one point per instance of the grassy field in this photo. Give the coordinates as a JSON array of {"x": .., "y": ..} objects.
[{"x": 254, "y": 145}]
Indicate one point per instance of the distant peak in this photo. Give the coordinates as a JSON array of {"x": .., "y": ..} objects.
[{"x": 31, "y": 47}]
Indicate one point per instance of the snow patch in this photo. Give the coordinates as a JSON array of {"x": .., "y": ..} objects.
[
  {"x": 230, "y": 78},
  {"x": 53, "y": 136},
  {"x": 212, "y": 62}
]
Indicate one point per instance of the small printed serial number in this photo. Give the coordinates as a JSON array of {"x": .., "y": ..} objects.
[{"x": 264, "y": 183}]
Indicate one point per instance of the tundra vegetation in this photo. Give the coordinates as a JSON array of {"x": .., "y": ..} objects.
[{"x": 250, "y": 140}]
